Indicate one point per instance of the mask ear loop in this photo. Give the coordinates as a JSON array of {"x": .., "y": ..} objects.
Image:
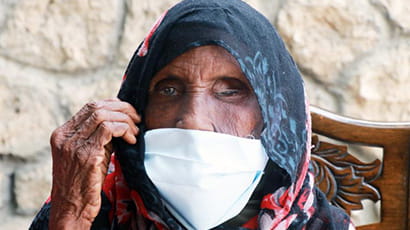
[{"x": 250, "y": 136}]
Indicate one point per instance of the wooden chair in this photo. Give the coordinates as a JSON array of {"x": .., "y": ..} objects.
[{"x": 347, "y": 181}]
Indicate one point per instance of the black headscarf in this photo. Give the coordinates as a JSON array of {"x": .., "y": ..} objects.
[{"x": 251, "y": 39}]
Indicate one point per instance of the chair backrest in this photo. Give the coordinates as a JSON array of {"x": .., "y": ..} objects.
[{"x": 347, "y": 181}]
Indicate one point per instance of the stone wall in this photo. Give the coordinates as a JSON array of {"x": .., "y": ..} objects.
[{"x": 56, "y": 55}]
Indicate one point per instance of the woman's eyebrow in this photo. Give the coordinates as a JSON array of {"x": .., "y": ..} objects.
[
  {"x": 168, "y": 78},
  {"x": 165, "y": 79},
  {"x": 171, "y": 77}
]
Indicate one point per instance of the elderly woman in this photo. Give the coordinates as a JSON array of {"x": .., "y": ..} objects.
[{"x": 211, "y": 131}]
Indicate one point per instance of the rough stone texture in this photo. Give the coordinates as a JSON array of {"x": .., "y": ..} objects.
[
  {"x": 398, "y": 12},
  {"x": 32, "y": 181},
  {"x": 136, "y": 29},
  {"x": 29, "y": 111},
  {"x": 319, "y": 95},
  {"x": 141, "y": 16},
  {"x": 62, "y": 35},
  {"x": 324, "y": 36},
  {"x": 3, "y": 189},
  {"x": 379, "y": 84},
  {"x": 16, "y": 223},
  {"x": 56, "y": 55},
  {"x": 5, "y": 9},
  {"x": 268, "y": 8},
  {"x": 88, "y": 88}
]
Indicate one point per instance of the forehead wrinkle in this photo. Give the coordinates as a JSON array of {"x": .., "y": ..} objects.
[
  {"x": 202, "y": 65},
  {"x": 196, "y": 66}
]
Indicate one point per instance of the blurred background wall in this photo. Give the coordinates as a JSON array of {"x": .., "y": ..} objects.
[{"x": 56, "y": 55}]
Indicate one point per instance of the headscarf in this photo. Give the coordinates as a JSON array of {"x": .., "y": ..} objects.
[{"x": 130, "y": 199}]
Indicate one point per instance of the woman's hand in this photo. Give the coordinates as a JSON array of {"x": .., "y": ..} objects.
[{"x": 81, "y": 150}]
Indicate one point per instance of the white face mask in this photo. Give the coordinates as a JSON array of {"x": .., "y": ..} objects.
[{"x": 204, "y": 178}]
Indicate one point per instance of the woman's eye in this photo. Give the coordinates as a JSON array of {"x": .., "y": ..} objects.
[
  {"x": 230, "y": 89},
  {"x": 228, "y": 93},
  {"x": 168, "y": 91},
  {"x": 168, "y": 87}
]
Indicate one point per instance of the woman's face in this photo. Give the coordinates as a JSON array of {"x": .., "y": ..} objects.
[{"x": 204, "y": 89}]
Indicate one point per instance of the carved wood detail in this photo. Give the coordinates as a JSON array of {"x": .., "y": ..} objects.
[{"x": 344, "y": 179}]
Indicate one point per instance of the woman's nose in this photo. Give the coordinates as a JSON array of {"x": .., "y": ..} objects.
[{"x": 196, "y": 114}]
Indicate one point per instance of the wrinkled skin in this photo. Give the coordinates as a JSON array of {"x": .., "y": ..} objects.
[
  {"x": 81, "y": 151},
  {"x": 202, "y": 89}
]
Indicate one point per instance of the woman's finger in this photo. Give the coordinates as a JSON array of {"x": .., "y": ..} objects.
[
  {"x": 99, "y": 116},
  {"x": 120, "y": 106},
  {"x": 109, "y": 129},
  {"x": 109, "y": 104},
  {"x": 81, "y": 115}
]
